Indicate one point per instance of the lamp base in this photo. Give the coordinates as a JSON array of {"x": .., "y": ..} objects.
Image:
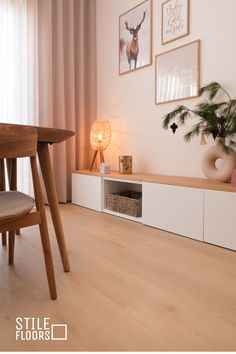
[{"x": 94, "y": 157}]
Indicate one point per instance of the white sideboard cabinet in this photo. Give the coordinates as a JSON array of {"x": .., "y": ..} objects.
[
  {"x": 191, "y": 207},
  {"x": 174, "y": 208},
  {"x": 87, "y": 191},
  {"x": 220, "y": 218}
]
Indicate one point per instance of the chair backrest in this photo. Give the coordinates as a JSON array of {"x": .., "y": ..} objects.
[{"x": 17, "y": 141}]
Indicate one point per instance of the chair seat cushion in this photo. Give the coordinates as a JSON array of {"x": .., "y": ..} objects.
[{"x": 14, "y": 204}]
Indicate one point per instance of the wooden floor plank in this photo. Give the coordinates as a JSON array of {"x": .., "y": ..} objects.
[{"x": 131, "y": 287}]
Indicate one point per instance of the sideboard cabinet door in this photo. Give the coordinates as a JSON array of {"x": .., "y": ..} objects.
[
  {"x": 86, "y": 191},
  {"x": 220, "y": 218},
  {"x": 174, "y": 208}
]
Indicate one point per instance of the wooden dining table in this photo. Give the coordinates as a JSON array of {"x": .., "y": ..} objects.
[{"x": 48, "y": 136}]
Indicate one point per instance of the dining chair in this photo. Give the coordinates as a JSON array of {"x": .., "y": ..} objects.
[
  {"x": 2, "y": 188},
  {"x": 16, "y": 208},
  {"x": 11, "y": 167}
]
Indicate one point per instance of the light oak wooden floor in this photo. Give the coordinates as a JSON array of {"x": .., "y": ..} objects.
[{"x": 131, "y": 288}]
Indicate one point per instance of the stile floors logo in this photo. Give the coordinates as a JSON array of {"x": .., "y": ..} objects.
[{"x": 39, "y": 329}]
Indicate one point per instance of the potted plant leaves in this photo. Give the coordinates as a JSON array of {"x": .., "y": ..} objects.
[{"x": 216, "y": 119}]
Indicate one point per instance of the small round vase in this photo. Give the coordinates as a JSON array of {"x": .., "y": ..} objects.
[{"x": 209, "y": 162}]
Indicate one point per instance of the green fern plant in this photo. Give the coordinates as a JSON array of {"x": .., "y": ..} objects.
[{"x": 214, "y": 118}]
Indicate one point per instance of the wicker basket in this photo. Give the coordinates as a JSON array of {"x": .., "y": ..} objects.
[{"x": 129, "y": 203}]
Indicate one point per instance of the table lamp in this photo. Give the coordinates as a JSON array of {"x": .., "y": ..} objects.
[{"x": 100, "y": 136}]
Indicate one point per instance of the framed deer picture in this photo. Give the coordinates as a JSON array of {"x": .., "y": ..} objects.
[
  {"x": 175, "y": 20},
  {"x": 135, "y": 42}
]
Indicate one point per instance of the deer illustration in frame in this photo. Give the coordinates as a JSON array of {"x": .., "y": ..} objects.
[{"x": 135, "y": 38}]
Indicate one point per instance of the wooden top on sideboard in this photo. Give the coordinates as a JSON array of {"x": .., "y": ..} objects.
[{"x": 202, "y": 183}]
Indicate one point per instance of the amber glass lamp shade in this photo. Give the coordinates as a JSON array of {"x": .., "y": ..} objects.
[{"x": 100, "y": 135}]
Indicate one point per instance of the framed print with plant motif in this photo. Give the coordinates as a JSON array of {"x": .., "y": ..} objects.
[
  {"x": 177, "y": 73},
  {"x": 135, "y": 38},
  {"x": 175, "y": 20}
]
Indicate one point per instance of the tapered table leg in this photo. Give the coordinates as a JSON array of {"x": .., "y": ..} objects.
[{"x": 48, "y": 178}]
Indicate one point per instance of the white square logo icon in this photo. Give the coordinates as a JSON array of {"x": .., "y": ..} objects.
[{"x": 58, "y": 332}]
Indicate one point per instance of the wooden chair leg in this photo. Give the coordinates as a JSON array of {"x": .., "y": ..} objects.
[
  {"x": 2, "y": 188},
  {"x": 44, "y": 231},
  {"x": 12, "y": 178},
  {"x": 48, "y": 258},
  {"x": 4, "y": 238},
  {"x": 11, "y": 246}
]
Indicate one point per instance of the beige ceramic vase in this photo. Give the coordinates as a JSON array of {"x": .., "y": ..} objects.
[{"x": 209, "y": 162}]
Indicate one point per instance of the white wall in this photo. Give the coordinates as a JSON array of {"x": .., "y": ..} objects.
[{"x": 128, "y": 101}]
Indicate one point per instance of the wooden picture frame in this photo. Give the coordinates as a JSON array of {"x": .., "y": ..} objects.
[
  {"x": 177, "y": 73},
  {"x": 135, "y": 38},
  {"x": 175, "y": 20}
]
